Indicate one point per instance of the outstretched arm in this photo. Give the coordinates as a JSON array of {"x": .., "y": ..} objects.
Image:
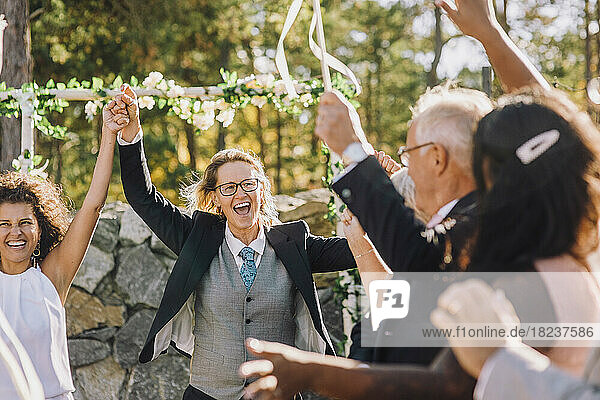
[
  {"x": 286, "y": 370},
  {"x": 62, "y": 263},
  {"x": 477, "y": 18},
  {"x": 167, "y": 221}
]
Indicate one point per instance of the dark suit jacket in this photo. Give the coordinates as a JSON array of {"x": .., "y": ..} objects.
[
  {"x": 396, "y": 234},
  {"x": 393, "y": 229},
  {"x": 196, "y": 241}
]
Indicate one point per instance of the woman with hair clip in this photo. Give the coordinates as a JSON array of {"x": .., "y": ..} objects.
[
  {"x": 239, "y": 273},
  {"x": 40, "y": 253}
]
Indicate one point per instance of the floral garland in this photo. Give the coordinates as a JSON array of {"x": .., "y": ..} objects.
[{"x": 213, "y": 103}]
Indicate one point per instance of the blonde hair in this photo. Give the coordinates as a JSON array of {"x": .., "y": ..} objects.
[
  {"x": 449, "y": 115},
  {"x": 198, "y": 195}
]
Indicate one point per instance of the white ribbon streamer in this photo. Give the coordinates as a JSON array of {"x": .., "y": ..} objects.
[{"x": 318, "y": 51}]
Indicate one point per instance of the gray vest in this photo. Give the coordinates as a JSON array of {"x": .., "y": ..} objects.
[{"x": 225, "y": 315}]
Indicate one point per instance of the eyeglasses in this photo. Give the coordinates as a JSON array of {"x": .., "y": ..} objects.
[
  {"x": 403, "y": 152},
  {"x": 230, "y": 188}
]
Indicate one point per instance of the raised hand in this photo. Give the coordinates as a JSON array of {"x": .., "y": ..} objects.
[
  {"x": 387, "y": 163},
  {"x": 474, "y": 302},
  {"x": 281, "y": 370},
  {"x": 338, "y": 123},
  {"x": 113, "y": 118},
  {"x": 473, "y": 17},
  {"x": 129, "y": 102}
]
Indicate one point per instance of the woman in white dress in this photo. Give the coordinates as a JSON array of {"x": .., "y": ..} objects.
[{"x": 40, "y": 253}]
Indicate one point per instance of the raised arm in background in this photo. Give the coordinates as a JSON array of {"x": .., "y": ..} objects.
[
  {"x": 477, "y": 18},
  {"x": 62, "y": 263}
]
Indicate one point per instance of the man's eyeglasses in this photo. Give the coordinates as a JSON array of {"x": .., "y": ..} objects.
[
  {"x": 403, "y": 152},
  {"x": 230, "y": 188}
]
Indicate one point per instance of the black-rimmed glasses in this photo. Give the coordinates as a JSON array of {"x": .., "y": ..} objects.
[
  {"x": 403, "y": 152},
  {"x": 230, "y": 188}
]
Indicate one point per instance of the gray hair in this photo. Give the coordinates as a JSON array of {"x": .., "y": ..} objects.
[
  {"x": 449, "y": 115},
  {"x": 406, "y": 187}
]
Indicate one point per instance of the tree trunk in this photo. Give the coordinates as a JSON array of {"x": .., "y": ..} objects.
[
  {"x": 224, "y": 58},
  {"x": 191, "y": 145},
  {"x": 259, "y": 134},
  {"x": 598, "y": 39},
  {"x": 15, "y": 72},
  {"x": 588, "y": 42},
  {"x": 278, "y": 165},
  {"x": 432, "y": 78}
]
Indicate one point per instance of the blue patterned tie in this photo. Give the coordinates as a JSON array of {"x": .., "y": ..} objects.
[{"x": 248, "y": 270}]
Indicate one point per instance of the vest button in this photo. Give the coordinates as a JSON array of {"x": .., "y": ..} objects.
[
  {"x": 248, "y": 299},
  {"x": 248, "y": 320}
]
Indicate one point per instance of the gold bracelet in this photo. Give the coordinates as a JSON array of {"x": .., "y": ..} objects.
[{"x": 364, "y": 254}]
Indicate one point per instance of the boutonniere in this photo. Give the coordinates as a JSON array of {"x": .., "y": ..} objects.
[{"x": 440, "y": 229}]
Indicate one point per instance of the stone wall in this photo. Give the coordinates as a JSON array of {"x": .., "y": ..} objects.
[{"x": 118, "y": 289}]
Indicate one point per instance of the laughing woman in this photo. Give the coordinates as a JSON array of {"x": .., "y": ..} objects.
[
  {"x": 40, "y": 253},
  {"x": 238, "y": 274}
]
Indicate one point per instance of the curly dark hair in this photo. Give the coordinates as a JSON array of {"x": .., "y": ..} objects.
[{"x": 45, "y": 197}]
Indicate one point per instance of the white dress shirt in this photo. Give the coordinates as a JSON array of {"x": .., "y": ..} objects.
[
  {"x": 441, "y": 214},
  {"x": 236, "y": 245},
  {"x": 122, "y": 141},
  {"x": 355, "y": 153}
]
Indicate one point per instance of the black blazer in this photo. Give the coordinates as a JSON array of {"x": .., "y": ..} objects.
[
  {"x": 396, "y": 234},
  {"x": 196, "y": 241},
  {"x": 393, "y": 228}
]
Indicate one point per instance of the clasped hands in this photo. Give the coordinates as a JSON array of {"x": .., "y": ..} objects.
[{"x": 122, "y": 114}]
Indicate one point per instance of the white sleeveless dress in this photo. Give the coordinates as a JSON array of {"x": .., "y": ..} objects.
[{"x": 34, "y": 311}]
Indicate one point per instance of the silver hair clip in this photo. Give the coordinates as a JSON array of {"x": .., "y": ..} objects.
[{"x": 536, "y": 146}]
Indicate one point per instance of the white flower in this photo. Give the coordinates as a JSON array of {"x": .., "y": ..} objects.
[
  {"x": 175, "y": 90},
  {"x": 146, "y": 102},
  {"x": 91, "y": 108},
  {"x": 185, "y": 105},
  {"x": 306, "y": 98},
  {"x": 209, "y": 106},
  {"x": 265, "y": 80},
  {"x": 221, "y": 104},
  {"x": 3, "y": 23},
  {"x": 226, "y": 117},
  {"x": 215, "y": 91},
  {"x": 301, "y": 87},
  {"x": 287, "y": 101},
  {"x": 152, "y": 79},
  {"x": 197, "y": 106},
  {"x": 279, "y": 88},
  {"x": 258, "y": 101},
  {"x": 203, "y": 121},
  {"x": 162, "y": 86}
]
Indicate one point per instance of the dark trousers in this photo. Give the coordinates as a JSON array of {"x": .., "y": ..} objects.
[{"x": 191, "y": 393}]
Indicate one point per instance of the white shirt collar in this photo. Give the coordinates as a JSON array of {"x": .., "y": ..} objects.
[
  {"x": 236, "y": 245},
  {"x": 445, "y": 210}
]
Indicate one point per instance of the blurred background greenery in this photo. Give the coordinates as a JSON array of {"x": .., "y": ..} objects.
[{"x": 396, "y": 48}]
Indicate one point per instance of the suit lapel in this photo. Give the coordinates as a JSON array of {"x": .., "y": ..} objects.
[{"x": 294, "y": 262}]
